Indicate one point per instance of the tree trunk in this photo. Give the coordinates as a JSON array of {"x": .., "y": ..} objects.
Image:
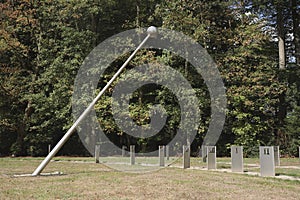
[
  {"x": 18, "y": 147},
  {"x": 280, "y": 31},
  {"x": 282, "y": 107},
  {"x": 296, "y": 29}
]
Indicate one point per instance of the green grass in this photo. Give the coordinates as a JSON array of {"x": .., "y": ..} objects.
[
  {"x": 84, "y": 179},
  {"x": 288, "y": 172}
]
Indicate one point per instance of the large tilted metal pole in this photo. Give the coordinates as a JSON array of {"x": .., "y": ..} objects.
[{"x": 151, "y": 33}]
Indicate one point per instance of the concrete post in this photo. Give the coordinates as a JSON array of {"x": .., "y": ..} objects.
[
  {"x": 186, "y": 156},
  {"x": 211, "y": 157},
  {"x": 161, "y": 155},
  {"x": 204, "y": 153},
  {"x": 123, "y": 151},
  {"x": 168, "y": 152},
  {"x": 277, "y": 156},
  {"x": 237, "y": 163},
  {"x": 267, "y": 163},
  {"x": 132, "y": 154},
  {"x": 97, "y": 153}
]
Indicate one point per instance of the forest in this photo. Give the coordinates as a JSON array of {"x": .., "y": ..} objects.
[{"x": 255, "y": 44}]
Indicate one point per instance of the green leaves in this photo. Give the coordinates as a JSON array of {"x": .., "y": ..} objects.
[{"x": 43, "y": 43}]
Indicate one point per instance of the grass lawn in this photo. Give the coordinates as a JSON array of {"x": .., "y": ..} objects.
[{"x": 84, "y": 179}]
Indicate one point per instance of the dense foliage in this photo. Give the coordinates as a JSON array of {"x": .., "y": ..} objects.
[{"x": 254, "y": 43}]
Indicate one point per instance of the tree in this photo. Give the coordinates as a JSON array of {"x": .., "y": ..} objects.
[
  {"x": 43, "y": 47},
  {"x": 18, "y": 68},
  {"x": 254, "y": 43},
  {"x": 283, "y": 22},
  {"x": 236, "y": 40},
  {"x": 295, "y": 14}
]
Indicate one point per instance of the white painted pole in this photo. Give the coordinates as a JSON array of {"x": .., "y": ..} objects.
[{"x": 151, "y": 33}]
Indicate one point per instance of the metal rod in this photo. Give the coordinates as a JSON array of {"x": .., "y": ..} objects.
[{"x": 58, "y": 146}]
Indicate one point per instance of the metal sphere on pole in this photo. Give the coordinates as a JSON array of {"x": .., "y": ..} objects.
[{"x": 152, "y": 32}]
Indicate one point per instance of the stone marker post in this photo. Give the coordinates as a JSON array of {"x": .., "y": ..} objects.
[
  {"x": 97, "y": 153},
  {"x": 186, "y": 156},
  {"x": 237, "y": 163},
  {"x": 123, "y": 151},
  {"x": 266, "y": 158},
  {"x": 49, "y": 148},
  {"x": 161, "y": 155},
  {"x": 276, "y": 156},
  {"x": 211, "y": 157},
  {"x": 203, "y": 153},
  {"x": 132, "y": 154},
  {"x": 167, "y": 152}
]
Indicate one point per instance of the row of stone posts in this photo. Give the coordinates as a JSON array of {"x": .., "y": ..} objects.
[
  {"x": 162, "y": 153},
  {"x": 269, "y": 157}
]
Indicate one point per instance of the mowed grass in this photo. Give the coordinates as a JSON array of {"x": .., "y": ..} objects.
[{"x": 84, "y": 179}]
